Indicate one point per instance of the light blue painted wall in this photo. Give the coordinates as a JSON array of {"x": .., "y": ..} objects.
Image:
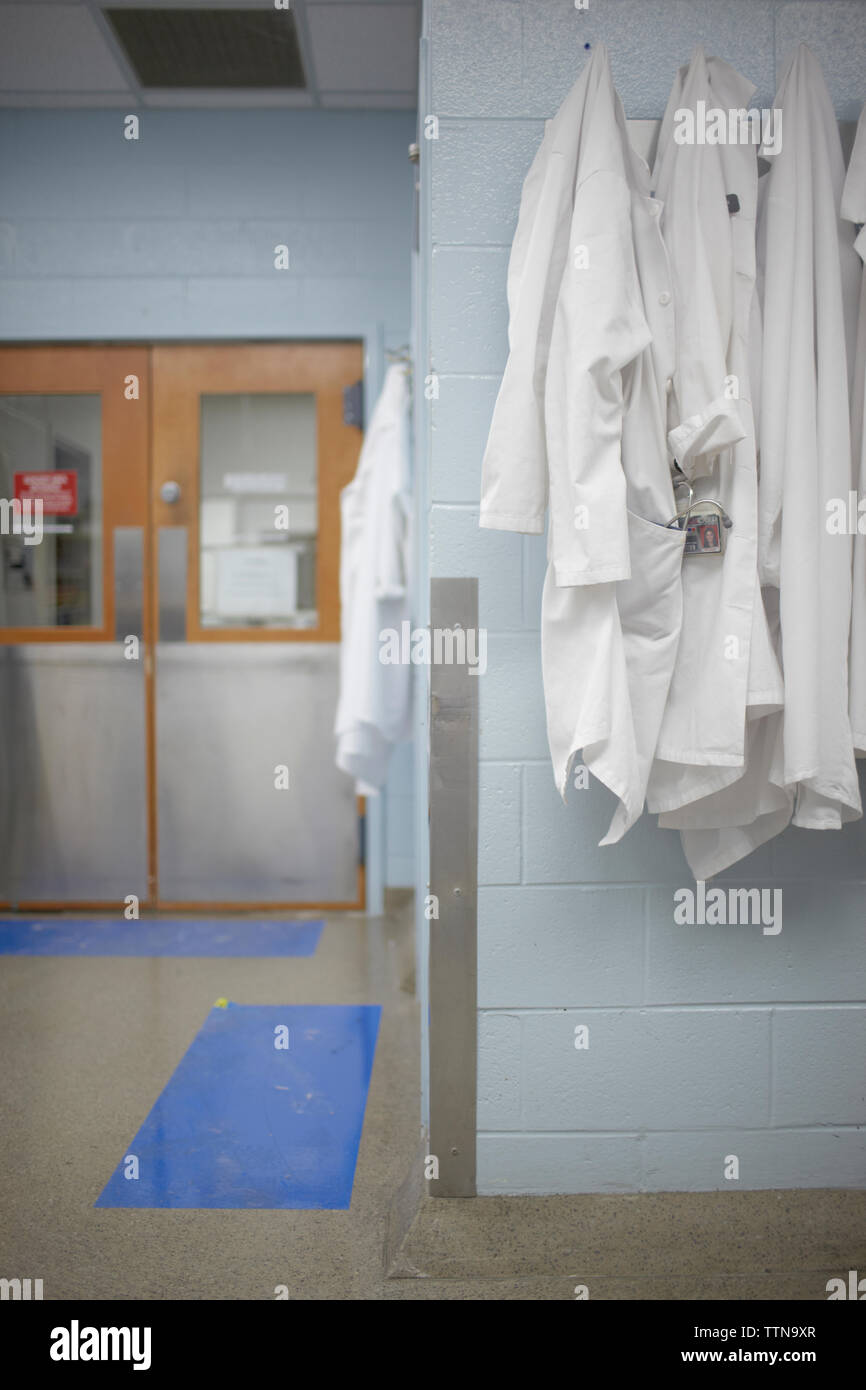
[
  {"x": 172, "y": 237},
  {"x": 703, "y": 1042}
]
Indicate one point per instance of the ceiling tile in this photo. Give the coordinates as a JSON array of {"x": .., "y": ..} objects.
[
  {"x": 363, "y": 47},
  {"x": 54, "y": 49}
]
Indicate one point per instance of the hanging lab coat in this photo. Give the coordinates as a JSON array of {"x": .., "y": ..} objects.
[
  {"x": 727, "y": 681},
  {"x": 580, "y": 426},
  {"x": 373, "y": 712},
  {"x": 810, "y": 273},
  {"x": 854, "y": 210},
  {"x": 725, "y": 663}
]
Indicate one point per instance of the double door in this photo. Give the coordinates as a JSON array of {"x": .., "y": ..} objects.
[{"x": 169, "y": 626}]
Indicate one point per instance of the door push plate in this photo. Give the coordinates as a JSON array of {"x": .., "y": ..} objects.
[
  {"x": 171, "y": 577},
  {"x": 128, "y": 582}
]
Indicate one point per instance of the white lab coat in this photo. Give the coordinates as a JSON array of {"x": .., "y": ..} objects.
[
  {"x": 854, "y": 210},
  {"x": 580, "y": 421},
  {"x": 373, "y": 712},
  {"x": 721, "y": 724},
  {"x": 810, "y": 298},
  {"x": 802, "y": 758},
  {"x": 725, "y": 664}
]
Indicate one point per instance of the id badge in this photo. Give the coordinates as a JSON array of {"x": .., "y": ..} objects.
[
  {"x": 705, "y": 534},
  {"x": 706, "y": 523}
]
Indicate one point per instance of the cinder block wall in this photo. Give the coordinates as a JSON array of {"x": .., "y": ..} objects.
[
  {"x": 703, "y": 1041},
  {"x": 172, "y": 237}
]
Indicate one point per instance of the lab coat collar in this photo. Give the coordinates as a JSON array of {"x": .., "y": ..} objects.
[
  {"x": 702, "y": 78},
  {"x": 590, "y": 127}
]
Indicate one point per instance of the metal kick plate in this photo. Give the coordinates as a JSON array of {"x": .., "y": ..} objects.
[
  {"x": 231, "y": 827},
  {"x": 73, "y": 799}
]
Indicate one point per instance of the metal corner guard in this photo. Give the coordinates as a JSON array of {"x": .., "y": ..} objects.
[{"x": 454, "y": 888}]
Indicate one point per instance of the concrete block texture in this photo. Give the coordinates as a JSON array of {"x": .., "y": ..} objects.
[{"x": 704, "y": 1041}]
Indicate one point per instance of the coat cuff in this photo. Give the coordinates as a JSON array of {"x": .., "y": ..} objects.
[
  {"x": 570, "y": 578},
  {"x": 528, "y": 522},
  {"x": 713, "y": 429}
]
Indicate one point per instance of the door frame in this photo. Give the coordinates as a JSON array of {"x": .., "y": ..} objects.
[{"x": 130, "y": 498}]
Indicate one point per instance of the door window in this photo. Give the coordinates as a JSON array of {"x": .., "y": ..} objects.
[
  {"x": 258, "y": 510},
  {"x": 50, "y": 511}
]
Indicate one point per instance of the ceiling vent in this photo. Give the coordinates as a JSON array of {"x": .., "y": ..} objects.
[{"x": 211, "y": 48}]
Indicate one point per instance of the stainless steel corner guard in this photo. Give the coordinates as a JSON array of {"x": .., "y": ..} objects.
[{"x": 453, "y": 886}]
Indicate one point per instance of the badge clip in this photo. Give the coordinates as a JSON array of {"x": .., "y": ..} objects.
[{"x": 705, "y": 522}]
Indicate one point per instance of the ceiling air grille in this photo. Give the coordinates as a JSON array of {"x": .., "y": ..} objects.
[{"x": 210, "y": 48}]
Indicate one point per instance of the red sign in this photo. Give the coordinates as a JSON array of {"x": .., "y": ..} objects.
[{"x": 57, "y": 489}]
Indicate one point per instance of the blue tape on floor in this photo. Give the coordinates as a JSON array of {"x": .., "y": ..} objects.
[
  {"x": 182, "y": 936},
  {"x": 246, "y": 1123}
]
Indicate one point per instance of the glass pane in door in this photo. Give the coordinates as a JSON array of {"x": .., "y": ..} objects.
[
  {"x": 50, "y": 511},
  {"x": 259, "y": 510}
]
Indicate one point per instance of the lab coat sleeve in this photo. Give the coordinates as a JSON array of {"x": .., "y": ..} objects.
[
  {"x": 706, "y": 396},
  {"x": 389, "y": 503},
  {"x": 392, "y": 568},
  {"x": 854, "y": 192},
  {"x": 514, "y": 470},
  {"x": 599, "y": 329},
  {"x": 702, "y": 242}
]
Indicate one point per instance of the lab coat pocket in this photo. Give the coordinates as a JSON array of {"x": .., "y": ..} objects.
[
  {"x": 651, "y": 613},
  {"x": 650, "y": 602},
  {"x": 650, "y": 608}
]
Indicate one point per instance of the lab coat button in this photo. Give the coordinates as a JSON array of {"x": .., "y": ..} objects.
[
  {"x": 669, "y": 385},
  {"x": 654, "y": 209},
  {"x": 664, "y": 297}
]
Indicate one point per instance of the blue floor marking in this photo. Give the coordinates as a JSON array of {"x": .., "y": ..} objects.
[
  {"x": 157, "y": 936},
  {"x": 243, "y": 1123}
]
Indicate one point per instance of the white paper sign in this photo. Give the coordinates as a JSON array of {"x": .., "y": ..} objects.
[{"x": 258, "y": 581}]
